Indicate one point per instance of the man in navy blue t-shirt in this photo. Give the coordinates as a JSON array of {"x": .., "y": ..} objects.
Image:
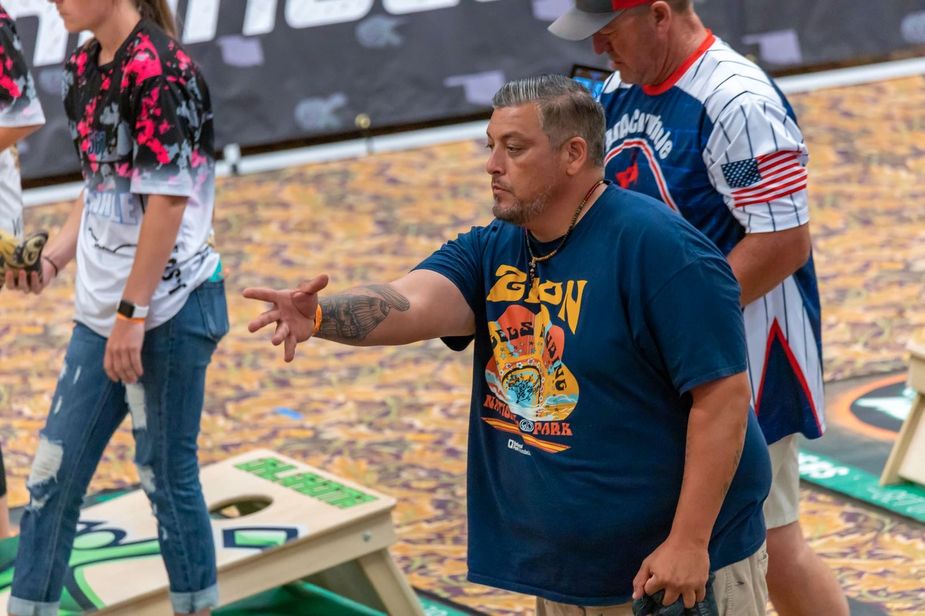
[{"x": 612, "y": 452}]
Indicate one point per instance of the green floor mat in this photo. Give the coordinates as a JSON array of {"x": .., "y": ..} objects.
[
  {"x": 295, "y": 599},
  {"x": 298, "y": 599},
  {"x": 304, "y": 599},
  {"x": 906, "y": 499}
]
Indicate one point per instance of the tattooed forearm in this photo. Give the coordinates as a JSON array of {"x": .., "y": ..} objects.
[{"x": 351, "y": 316}]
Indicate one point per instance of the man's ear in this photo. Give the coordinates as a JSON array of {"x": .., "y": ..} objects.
[
  {"x": 575, "y": 153},
  {"x": 661, "y": 14}
]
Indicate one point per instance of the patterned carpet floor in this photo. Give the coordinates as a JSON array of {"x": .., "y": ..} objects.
[{"x": 395, "y": 418}]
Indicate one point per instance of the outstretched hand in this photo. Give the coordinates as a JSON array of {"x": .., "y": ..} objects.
[{"x": 293, "y": 311}]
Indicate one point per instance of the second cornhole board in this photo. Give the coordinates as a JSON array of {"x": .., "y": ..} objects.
[
  {"x": 314, "y": 521},
  {"x": 907, "y": 458}
]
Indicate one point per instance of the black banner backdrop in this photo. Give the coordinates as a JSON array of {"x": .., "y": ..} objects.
[{"x": 281, "y": 70}]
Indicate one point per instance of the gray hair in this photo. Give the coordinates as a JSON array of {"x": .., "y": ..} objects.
[{"x": 566, "y": 108}]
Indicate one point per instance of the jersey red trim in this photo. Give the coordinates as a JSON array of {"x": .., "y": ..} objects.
[{"x": 661, "y": 88}]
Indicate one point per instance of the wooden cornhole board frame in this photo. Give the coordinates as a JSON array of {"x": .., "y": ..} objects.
[
  {"x": 314, "y": 521},
  {"x": 907, "y": 459}
]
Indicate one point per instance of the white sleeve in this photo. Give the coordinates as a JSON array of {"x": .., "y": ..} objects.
[
  {"x": 756, "y": 157},
  {"x": 611, "y": 84}
]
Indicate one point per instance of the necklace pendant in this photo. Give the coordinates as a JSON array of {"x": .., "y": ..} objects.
[{"x": 531, "y": 266}]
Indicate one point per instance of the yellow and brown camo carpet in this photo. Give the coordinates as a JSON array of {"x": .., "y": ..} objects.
[{"x": 395, "y": 419}]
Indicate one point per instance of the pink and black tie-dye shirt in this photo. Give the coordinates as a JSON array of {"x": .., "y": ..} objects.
[
  {"x": 142, "y": 125},
  {"x": 19, "y": 106}
]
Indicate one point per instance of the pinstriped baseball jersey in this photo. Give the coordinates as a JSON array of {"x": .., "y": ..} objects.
[{"x": 719, "y": 143}]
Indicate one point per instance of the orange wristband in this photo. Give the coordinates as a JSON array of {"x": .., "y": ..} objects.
[
  {"x": 317, "y": 326},
  {"x": 122, "y": 317}
]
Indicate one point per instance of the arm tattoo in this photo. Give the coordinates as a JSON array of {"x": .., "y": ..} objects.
[{"x": 351, "y": 316}]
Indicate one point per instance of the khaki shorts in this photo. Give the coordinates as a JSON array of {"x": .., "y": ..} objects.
[
  {"x": 783, "y": 504},
  {"x": 739, "y": 589}
]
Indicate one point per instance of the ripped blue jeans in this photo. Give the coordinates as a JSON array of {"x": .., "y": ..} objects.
[{"x": 87, "y": 408}]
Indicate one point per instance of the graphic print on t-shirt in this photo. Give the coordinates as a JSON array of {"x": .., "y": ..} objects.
[
  {"x": 526, "y": 370},
  {"x": 533, "y": 392}
]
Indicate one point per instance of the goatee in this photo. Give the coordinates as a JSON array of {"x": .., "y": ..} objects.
[{"x": 520, "y": 213}]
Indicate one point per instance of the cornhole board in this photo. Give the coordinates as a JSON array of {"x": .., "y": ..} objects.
[
  {"x": 314, "y": 521},
  {"x": 907, "y": 458}
]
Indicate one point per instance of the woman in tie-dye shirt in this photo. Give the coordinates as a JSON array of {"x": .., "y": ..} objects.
[
  {"x": 150, "y": 301},
  {"x": 20, "y": 115}
]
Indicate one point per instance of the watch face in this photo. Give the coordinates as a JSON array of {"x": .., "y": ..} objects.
[
  {"x": 131, "y": 311},
  {"x": 126, "y": 309}
]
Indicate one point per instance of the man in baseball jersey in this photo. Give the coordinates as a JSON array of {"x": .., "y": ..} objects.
[{"x": 704, "y": 130}]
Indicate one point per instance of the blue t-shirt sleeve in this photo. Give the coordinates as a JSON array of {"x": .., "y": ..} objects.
[
  {"x": 460, "y": 262},
  {"x": 695, "y": 324}
]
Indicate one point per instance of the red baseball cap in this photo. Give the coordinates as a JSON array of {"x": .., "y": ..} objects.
[{"x": 588, "y": 16}]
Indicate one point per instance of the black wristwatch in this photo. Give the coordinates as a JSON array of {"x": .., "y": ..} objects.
[{"x": 131, "y": 311}]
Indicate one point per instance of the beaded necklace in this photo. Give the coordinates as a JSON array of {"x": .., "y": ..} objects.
[{"x": 531, "y": 274}]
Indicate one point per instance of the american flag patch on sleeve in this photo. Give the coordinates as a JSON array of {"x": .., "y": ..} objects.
[{"x": 765, "y": 178}]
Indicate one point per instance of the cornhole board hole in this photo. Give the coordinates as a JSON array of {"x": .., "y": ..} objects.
[
  {"x": 907, "y": 458},
  {"x": 289, "y": 520}
]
